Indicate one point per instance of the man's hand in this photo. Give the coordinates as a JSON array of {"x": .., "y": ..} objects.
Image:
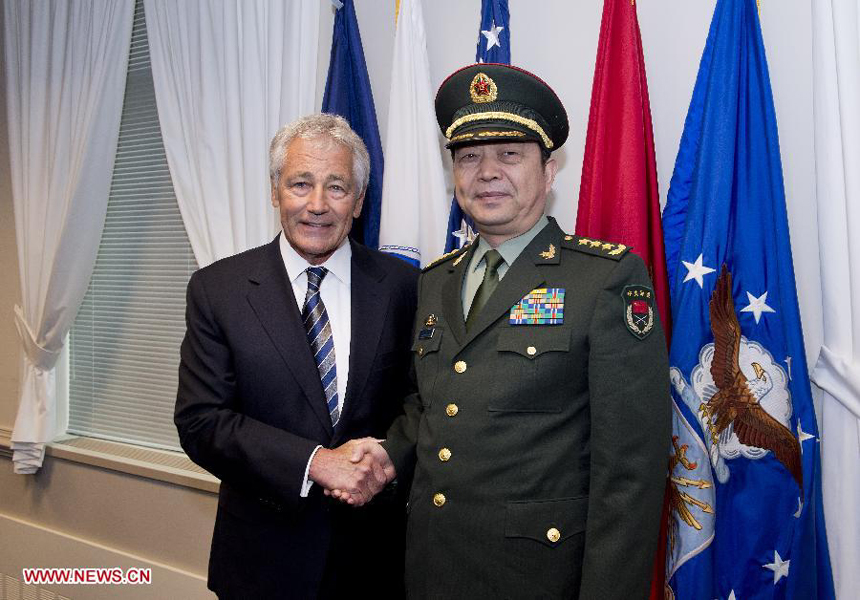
[{"x": 353, "y": 472}]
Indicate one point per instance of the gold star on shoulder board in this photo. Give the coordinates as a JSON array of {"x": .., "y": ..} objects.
[
  {"x": 448, "y": 255},
  {"x": 595, "y": 247},
  {"x": 549, "y": 253}
]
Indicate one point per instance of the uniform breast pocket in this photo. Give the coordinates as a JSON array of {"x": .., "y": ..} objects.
[
  {"x": 528, "y": 358},
  {"x": 425, "y": 353}
]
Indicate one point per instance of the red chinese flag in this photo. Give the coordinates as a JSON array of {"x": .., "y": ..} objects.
[{"x": 618, "y": 197}]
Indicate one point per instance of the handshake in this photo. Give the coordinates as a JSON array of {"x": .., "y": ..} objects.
[{"x": 354, "y": 472}]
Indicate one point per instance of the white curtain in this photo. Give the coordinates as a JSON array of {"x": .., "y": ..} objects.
[
  {"x": 227, "y": 75},
  {"x": 65, "y": 77},
  {"x": 836, "y": 97}
]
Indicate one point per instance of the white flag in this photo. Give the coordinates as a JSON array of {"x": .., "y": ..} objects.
[
  {"x": 836, "y": 96},
  {"x": 414, "y": 197}
]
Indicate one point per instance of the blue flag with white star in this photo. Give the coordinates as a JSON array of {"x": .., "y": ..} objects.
[
  {"x": 745, "y": 497},
  {"x": 348, "y": 94},
  {"x": 494, "y": 46}
]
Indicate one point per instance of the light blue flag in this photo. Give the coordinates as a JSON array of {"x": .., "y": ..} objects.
[
  {"x": 746, "y": 514},
  {"x": 494, "y": 46}
]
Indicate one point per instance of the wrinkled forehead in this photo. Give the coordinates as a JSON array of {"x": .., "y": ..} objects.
[{"x": 320, "y": 153}]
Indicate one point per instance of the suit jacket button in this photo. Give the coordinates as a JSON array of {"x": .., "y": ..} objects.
[
  {"x": 452, "y": 409},
  {"x": 439, "y": 499},
  {"x": 460, "y": 366},
  {"x": 421, "y": 351},
  {"x": 444, "y": 455},
  {"x": 531, "y": 350},
  {"x": 553, "y": 534}
]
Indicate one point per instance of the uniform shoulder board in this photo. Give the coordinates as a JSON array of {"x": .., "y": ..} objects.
[
  {"x": 447, "y": 256},
  {"x": 595, "y": 247}
]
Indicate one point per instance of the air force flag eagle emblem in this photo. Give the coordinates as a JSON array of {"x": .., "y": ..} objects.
[{"x": 739, "y": 393}]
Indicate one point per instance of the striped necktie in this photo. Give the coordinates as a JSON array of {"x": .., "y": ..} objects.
[{"x": 318, "y": 329}]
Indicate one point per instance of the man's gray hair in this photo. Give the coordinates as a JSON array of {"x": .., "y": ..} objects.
[{"x": 334, "y": 127}]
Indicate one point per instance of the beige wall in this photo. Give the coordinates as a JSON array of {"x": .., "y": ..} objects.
[
  {"x": 159, "y": 521},
  {"x": 73, "y": 515}
]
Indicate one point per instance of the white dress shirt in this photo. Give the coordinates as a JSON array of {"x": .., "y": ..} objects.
[{"x": 335, "y": 294}]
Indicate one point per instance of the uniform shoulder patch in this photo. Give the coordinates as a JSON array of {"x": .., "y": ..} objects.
[
  {"x": 595, "y": 247},
  {"x": 638, "y": 310},
  {"x": 447, "y": 256}
]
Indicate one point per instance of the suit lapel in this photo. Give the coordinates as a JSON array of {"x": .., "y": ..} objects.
[
  {"x": 272, "y": 299},
  {"x": 522, "y": 277},
  {"x": 368, "y": 307}
]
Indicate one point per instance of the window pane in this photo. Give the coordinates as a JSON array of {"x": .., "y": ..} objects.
[{"x": 124, "y": 345}]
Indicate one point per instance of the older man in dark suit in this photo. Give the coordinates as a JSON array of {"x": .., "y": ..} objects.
[{"x": 291, "y": 350}]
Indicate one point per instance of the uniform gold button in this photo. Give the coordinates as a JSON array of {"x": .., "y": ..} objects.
[
  {"x": 531, "y": 350},
  {"x": 421, "y": 351},
  {"x": 439, "y": 499},
  {"x": 553, "y": 534},
  {"x": 444, "y": 454},
  {"x": 460, "y": 366},
  {"x": 451, "y": 410}
]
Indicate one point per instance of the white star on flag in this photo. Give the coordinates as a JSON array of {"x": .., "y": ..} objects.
[
  {"x": 697, "y": 271},
  {"x": 778, "y": 566},
  {"x": 464, "y": 234},
  {"x": 802, "y": 436},
  {"x": 757, "y": 306},
  {"x": 492, "y": 36}
]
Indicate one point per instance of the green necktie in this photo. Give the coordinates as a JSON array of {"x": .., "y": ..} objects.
[{"x": 488, "y": 285}]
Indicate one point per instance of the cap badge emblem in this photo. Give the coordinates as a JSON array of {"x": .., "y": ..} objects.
[{"x": 483, "y": 89}]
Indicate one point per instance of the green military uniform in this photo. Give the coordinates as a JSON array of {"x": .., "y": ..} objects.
[
  {"x": 539, "y": 450},
  {"x": 539, "y": 433}
]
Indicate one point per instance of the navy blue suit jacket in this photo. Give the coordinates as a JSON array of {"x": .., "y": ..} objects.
[{"x": 250, "y": 409}]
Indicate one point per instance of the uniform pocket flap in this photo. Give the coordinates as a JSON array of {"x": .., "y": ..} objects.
[
  {"x": 424, "y": 345},
  {"x": 534, "y": 340},
  {"x": 549, "y": 522}
]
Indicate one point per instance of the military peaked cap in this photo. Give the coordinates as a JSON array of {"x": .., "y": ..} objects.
[{"x": 488, "y": 102}]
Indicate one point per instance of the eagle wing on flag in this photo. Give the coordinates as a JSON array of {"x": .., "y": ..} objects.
[{"x": 737, "y": 402}]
